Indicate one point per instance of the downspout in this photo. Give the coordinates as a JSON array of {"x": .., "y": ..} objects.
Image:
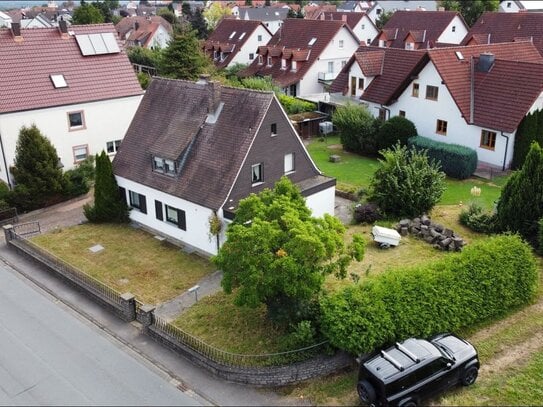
[
  {"x": 505, "y": 153},
  {"x": 471, "y": 91},
  {"x": 5, "y": 162}
]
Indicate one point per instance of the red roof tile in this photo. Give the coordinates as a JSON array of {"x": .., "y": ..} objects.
[
  {"x": 351, "y": 18},
  {"x": 402, "y": 22},
  {"x": 26, "y": 66},
  {"x": 506, "y": 27},
  {"x": 502, "y": 96},
  {"x": 296, "y": 34},
  {"x": 145, "y": 24}
]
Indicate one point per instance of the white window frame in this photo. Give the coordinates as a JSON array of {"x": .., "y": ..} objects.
[
  {"x": 288, "y": 163},
  {"x": 79, "y": 157},
  {"x": 73, "y": 127},
  {"x": 259, "y": 178},
  {"x": 115, "y": 144}
]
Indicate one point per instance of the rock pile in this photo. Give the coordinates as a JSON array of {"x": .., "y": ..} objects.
[{"x": 433, "y": 233}]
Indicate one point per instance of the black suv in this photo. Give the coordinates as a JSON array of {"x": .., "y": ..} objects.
[{"x": 416, "y": 369}]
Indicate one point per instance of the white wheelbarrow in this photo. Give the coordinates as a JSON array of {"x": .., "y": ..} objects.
[{"x": 385, "y": 237}]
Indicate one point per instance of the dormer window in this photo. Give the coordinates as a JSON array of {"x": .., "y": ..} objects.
[
  {"x": 260, "y": 60},
  {"x": 223, "y": 56},
  {"x": 283, "y": 63},
  {"x": 409, "y": 46},
  {"x": 293, "y": 66},
  {"x": 163, "y": 165},
  {"x": 269, "y": 61},
  {"x": 215, "y": 54},
  {"x": 232, "y": 35}
]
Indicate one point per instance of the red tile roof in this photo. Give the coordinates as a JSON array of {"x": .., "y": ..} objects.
[
  {"x": 295, "y": 35},
  {"x": 391, "y": 67},
  {"x": 221, "y": 39},
  {"x": 504, "y": 95},
  {"x": 506, "y": 27},
  {"x": 145, "y": 25},
  {"x": 312, "y": 12},
  {"x": 402, "y": 22},
  {"x": 351, "y": 18},
  {"x": 26, "y": 66}
]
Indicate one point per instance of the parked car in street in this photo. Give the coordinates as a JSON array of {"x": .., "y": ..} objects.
[{"x": 414, "y": 370}]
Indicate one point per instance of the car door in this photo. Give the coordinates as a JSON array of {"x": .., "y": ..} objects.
[{"x": 434, "y": 378}]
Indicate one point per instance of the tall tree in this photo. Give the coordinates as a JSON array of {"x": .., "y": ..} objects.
[
  {"x": 277, "y": 254},
  {"x": 198, "y": 24},
  {"x": 471, "y": 10},
  {"x": 106, "y": 8},
  {"x": 520, "y": 206},
  {"x": 168, "y": 15},
  {"x": 36, "y": 170},
  {"x": 215, "y": 13},
  {"x": 383, "y": 19},
  {"x": 182, "y": 59},
  {"x": 87, "y": 14},
  {"x": 108, "y": 205}
]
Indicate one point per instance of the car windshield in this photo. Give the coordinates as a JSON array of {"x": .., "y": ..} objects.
[{"x": 444, "y": 351}]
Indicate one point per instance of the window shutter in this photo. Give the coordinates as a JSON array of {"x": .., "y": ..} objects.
[
  {"x": 158, "y": 210},
  {"x": 143, "y": 204},
  {"x": 122, "y": 194},
  {"x": 181, "y": 219}
]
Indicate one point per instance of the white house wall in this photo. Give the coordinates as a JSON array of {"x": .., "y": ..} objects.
[
  {"x": 365, "y": 30},
  {"x": 197, "y": 217},
  {"x": 357, "y": 72},
  {"x": 160, "y": 39},
  {"x": 449, "y": 36},
  {"x": 332, "y": 53},
  {"x": 424, "y": 114},
  {"x": 105, "y": 121},
  {"x": 322, "y": 202},
  {"x": 251, "y": 46}
]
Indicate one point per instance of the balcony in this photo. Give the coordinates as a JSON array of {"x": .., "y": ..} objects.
[{"x": 327, "y": 76}]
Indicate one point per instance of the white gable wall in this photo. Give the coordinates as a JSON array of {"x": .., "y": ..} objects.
[
  {"x": 357, "y": 72},
  {"x": 424, "y": 114},
  {"x": 251, "y": 46},
  {"x": 105, "y": 121},
  {"x": 197, "y": 217},
  {"x": 449, "y": 36},
  {"x": 365, "y": 30},
  {"x": 322, "y": 202},
  {"x": 160, "y": 39},
  {"x": 332, "y": 53}
]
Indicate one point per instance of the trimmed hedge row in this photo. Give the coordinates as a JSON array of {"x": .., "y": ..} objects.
[
  {"x": 456, "y": 161},
  {"x": 484, "y": 281}
]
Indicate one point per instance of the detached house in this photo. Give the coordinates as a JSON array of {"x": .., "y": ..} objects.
[
  {"x": 304, "y": 56},
  {"x": 422, "y": 30},
  {"x": 146, "y": 32},
  {"x": 271, "y": 17},
  {"x": 492, "y": 28},
  {"x": 76, "y": 86},
  {"x": 235, "y": 41},
  {"x": 194, "y": 150},
  {"x": 362, "y": 26},
  {"x": 474, "y": 96}
]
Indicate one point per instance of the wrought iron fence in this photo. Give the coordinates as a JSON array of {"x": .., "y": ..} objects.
[{"x": 235, "y": 359}]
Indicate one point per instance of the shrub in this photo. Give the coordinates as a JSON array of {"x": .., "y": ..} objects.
[
  {"x": 456, "y": 161},
  {"x": 357, "y": 128},
  {"x": 529, "y": 130},
  {"x": 293, "y": 105},
  {"x": 303, "y": 335},
  {"x": 144, "y": 79},
  {"x": 482, "y": 282},
  {"x": 406, "y": 183},
  {"x": 395, "y": 130},
  {"x": 477, "y": 219},
  {"x": 540, "y": 236},
  {"x": 366, "y": 213}
]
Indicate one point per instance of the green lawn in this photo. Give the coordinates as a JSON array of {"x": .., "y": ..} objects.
[
  {"x": 354, "y": 172},
  {"x": 132, "y": 260}
]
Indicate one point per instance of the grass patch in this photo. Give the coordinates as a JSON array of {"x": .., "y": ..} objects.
[
  {"x": 133, "y": 261},
  {"x": 220, "y": 323},
  {"x": 355, "y": 171}
]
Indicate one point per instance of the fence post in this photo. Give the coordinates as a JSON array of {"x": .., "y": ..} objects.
[
  {"x": 8, "y": 232},
  {"x": 147, "y": 316},
  {"x": 128, "y": 304}
]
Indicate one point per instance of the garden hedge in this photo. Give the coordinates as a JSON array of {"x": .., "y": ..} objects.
[
  {"x": 484, "y": 281},
  {"x": 456, "y": 161}
]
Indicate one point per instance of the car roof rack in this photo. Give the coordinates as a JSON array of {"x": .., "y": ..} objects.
[
  {"x": 407, "y": 352},
  {"x": 394, "y": 362}
]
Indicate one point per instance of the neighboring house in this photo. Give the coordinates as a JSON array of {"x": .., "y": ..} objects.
[
  {"x": 422, "y": 30},
  {"x": 304, "y": 56},
  {"x": 514, "y": 6},
  {"x": 391, "y": 6},
  {"x": 311, "y": 12},
  {"x": 355, "y": 6},
  {"x": 493, "y": 28},
  {"x": 271, "y": 17},
  {"x": 40, "y": 21},
  {"x": 146, "y": 32},
  {"x": 5, "y": 20},
  {"x": 76, "y": 86},
  {"x": 360, "y": 23},
  {"x": 195, "y": 149},
  {"x": 474, "y": 96},
  {"x": 235, "y": 41}
]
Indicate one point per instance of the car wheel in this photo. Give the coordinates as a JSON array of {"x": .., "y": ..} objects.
[
  {"x": 366, "y": 392},
  {"x": 469, "y": 376},
  {"x": 410, "y": 403}
]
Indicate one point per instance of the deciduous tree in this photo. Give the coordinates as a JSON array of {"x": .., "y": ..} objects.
[
  {"x": 215, "y": 13},
  {"x": 87, "y": 14},
  {"x": 471, "y": 10}
]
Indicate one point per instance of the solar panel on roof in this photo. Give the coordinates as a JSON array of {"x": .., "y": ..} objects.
[{"x": 97, "y": 44}]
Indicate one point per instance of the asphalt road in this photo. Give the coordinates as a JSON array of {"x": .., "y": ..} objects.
[{"x": 51, "y": 356}]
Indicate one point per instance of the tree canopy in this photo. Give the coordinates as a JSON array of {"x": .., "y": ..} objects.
[
  {"x": 87, "y": 14},
  {"x": 276, "y": 253},
  {"x": 471, "y": 10},
  {"x": 215, "y": 13}
]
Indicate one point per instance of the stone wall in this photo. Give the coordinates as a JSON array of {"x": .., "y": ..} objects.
[{"x": 435, "y": 234}]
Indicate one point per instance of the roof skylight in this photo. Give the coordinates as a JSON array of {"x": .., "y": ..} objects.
[
  {"x": 242, "y": 35},
  {"x": 58, "y": 81},
  {"x": 312, "y": 41},
  {"x": 459, "y": 55},
  {"x": 232, "y": 35}
]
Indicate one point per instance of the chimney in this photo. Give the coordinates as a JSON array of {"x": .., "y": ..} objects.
[
  {"x": 16, "y": 31},
  {"x": 344, "y": 17},
  {"x": 486, "y": 60},
  {"x": 213, "y": 96},
  {"x": 63, "y": 28},
  {"x": 136, "y": 26},
  {"x": 323, "y": 16}
]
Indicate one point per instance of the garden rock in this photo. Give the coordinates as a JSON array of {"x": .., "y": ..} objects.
[{"x": 440, "y": 237}]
